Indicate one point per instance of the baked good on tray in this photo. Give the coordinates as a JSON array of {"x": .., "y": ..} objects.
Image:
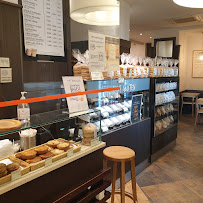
[
  {"x": 57, "y": 151},
  {"x": 36, "y": 159},
  {"x": 3, "y": 170},
  {"x": 63, "y": 146},
  {"x": 53, "y": 143},
  {"x": 29, "y": 154},
  {"x": 41, "y": 149},
  {"x": 47, "y": 155},
  {"x": 13, "y": 167}
]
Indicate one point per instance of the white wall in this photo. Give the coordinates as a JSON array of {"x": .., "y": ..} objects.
[
  {"x": 79, "y": 32},
  {"x": 189, "y": 41},
  {"x": 137, "y": 49}
]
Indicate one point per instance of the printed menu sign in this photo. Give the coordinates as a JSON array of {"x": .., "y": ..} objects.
[
  {"x": 74, "y": 84},
  {"x": 136, "y": 108},
  {"x": 43, "y": 26},
  {"x": 197, "y": 70},
  {"x": 112, "y": 46},
  {"x": 96, "y": 52}
]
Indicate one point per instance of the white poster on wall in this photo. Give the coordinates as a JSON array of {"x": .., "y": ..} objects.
[
  {"x": 97, "y": 57},
  {"x": 43, "y": 26},
  {"x": 197, "y": 64},
  {"x": 74, "y": 84}
]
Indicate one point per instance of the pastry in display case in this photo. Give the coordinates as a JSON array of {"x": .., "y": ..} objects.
[{"x": 115, "y": 106}]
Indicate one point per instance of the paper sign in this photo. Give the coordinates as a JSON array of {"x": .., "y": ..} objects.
[
  {"x": 70, "y": 153},
  {"x": 95, "y": 142},
  {"x": 15, "y": 175},
  {"x": 120, "y": 80},
  {"x": 74, "y": 84},
  {"x": 97, "y": 76},
  {"x": 43, "y": 26},
  {"x": 4, "y": 62},
  {"x": 136, "y": 108},
  {"x": 48, "y": 161},
  {"x": 97, "y": 58},
  {"x": 5, "y": 75}
]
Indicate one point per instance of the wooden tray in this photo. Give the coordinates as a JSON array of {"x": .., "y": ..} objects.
[{"x": 7, "y": 125}]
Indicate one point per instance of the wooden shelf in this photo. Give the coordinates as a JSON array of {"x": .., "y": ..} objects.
[{"x": 11, "y": 4}]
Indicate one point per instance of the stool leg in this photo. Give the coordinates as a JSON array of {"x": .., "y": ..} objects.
[
  {"x": 122, "y": 181},
  {"x": 114, "y": 181},
  {"x": 105, "y": 162},
  {"x": 181, "y": 111},
  {"x": 192, "y": 107},
  {"x": 133, "y": 177}
]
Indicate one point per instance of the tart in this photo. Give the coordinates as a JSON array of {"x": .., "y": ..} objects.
[
  {"x": 57, "y": 151},
  {"x": 30, "y": 154},
  {"x": 53, "y": 143},
  {"x": 36, "y": 159},
  {"x": 63, "y": 146},
  {"x": 41, "y": 150},
  {"x": 47, "y": 155}
]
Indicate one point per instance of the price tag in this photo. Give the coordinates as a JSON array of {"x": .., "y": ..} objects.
[
  {"x": 97, "y": 76},
  {"x": 48, "y": 161},
  {"x": 70, "y": 153},
  {"x": 120, "y": 80},
  {"x": 95, "y": 142},
  {"x": 15, "y": 175}
]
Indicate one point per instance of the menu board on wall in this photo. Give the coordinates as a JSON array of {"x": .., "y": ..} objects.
[
  {"x": 112, "y": 45},
  {"x": 43, "y": 26},
  {"x": 104, "y": 52},
  {"x": 197, "y": 64}
]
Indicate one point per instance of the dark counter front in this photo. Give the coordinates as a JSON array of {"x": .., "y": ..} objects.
[{"x": 136, "y": 136}]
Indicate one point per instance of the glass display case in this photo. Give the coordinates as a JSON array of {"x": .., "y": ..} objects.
[{"x": 115, "y": 106}]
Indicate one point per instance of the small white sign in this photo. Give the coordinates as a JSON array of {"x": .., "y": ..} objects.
[
  {"x": 15, "y": 175},
  {"x": 5, "y": 75},
  {"x": 97, "y": 76},
  {"x": 95, "y": 142},
  {"x": 4, "y": 62},
  {"x": 70, "y": 152},
  {"x": 120, "y": 80},
  {"x": 74, "y": 84},
  {"x": 48, "y": 161}
]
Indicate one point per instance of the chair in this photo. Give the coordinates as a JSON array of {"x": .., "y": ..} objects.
[
  {"x": 121, "y": 154},
  {"x": 199, "y": 109},
  {"x": 193, "y": 97}
]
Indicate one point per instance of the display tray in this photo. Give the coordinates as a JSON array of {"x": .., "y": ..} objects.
[
  {"x": 165, "y": 129},
  {"x": 166, "y": 91},
  {"x": 171, "y": 102},
  {"x": 85, "y": 150}
]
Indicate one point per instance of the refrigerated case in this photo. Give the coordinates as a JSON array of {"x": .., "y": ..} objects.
[{"x": 164, "y": 112}]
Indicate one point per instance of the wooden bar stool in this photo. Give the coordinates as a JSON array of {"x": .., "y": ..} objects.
[
  {"x": 119, "y": 154},
  {"x": 193, "y": 96},
  {"x": 199, "y": 109}
]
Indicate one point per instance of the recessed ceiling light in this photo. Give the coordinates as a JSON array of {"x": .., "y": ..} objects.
[
  {"x": 190, "y": 3},
  {"x": 150, "y": 37},
  {"x": 129, "y": 30},
  {"x": 140, "y": 33},
  {"x": 100, "y": 12}
]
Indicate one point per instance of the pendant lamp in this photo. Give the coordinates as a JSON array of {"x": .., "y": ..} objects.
[
  {"x": 95, "y": 12},
  {"x": 190, "y": 3}
]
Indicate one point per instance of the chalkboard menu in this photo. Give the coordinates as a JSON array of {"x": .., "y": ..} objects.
[{"x": 43, "y": 26}]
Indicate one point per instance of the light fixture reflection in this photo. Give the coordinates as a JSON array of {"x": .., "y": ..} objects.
[{"x": 190, "y": 3}]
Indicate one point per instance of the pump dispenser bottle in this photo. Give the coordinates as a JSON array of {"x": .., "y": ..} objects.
[{"x": 23, "y": 110}]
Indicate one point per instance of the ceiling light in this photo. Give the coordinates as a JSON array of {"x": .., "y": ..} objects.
[
  {"x": 201, "y": 57},
  {"x": 150, "y": 37},
  {"x": 100, "y": 12},
  {"x": 129, "y": 30},
  {"x": 190, "y": 3},
  {"x": 140, "y": 33}
]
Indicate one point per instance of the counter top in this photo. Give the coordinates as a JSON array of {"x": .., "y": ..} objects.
[{"x": 85, "y": 150}]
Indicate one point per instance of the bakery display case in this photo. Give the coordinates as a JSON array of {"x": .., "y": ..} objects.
[
  {"x": 46, "y": 139},
  {"x": 164, "y": 111},
  {"x": 115, "y": 106}
]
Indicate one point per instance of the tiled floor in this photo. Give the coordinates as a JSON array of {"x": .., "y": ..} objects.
[{"x": 177, "y": 177}]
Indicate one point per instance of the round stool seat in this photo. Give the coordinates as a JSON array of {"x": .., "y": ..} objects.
[{"x": 119, "y": 153}]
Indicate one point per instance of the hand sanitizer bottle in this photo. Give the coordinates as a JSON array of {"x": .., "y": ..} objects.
[{"x": 23, "y": 110}]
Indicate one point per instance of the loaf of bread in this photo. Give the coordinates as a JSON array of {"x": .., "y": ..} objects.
[
  {"x": 3, "y": 170},
  {"x": 41, "y": 149},
  {"x": 47, "y": 155},
  {"x": 30, "y": 154},
  {"x": 13, "y": 167},
  {"x": 35, "y": 160}
]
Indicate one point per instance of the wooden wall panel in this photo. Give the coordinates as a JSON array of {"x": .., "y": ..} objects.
[{"x": 11, "y": 47}]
